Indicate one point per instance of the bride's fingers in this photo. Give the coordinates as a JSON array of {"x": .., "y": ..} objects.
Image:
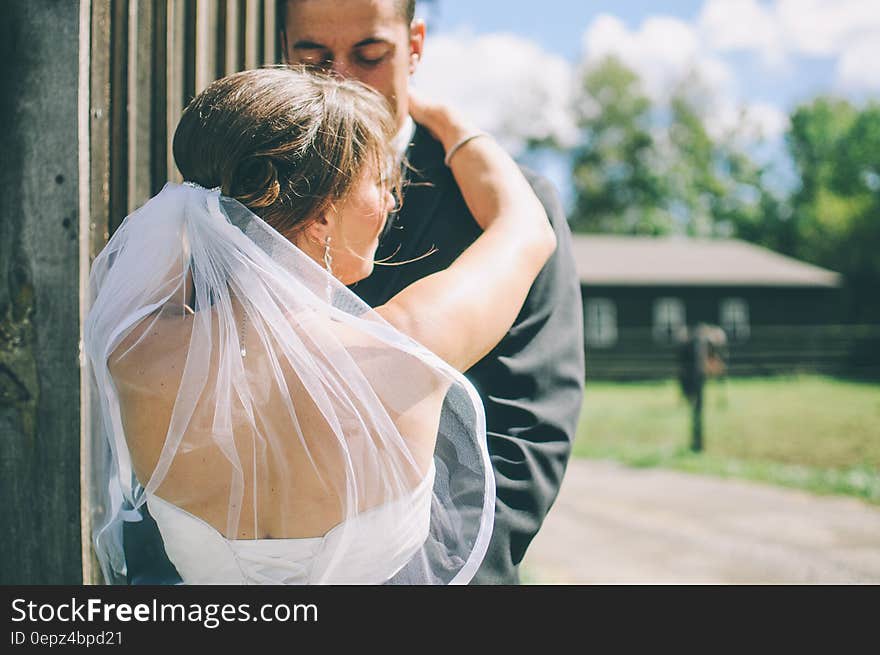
[
  {"x": 421, "y": 109},
  {"x": 437, "y": 117}
]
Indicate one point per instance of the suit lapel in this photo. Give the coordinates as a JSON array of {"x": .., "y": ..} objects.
[{"x": 426, "y": 181}]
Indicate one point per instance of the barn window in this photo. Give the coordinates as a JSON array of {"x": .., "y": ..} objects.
[
  {"x": 600, "y": 317},
  {"x": 734, "y": 315},
  {"x": 669, "y": 319}
]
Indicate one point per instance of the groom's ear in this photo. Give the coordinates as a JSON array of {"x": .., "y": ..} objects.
[{"x": 416, "y": 43}]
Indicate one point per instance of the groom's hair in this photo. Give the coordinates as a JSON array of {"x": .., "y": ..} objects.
[
  {"x": 285, "y": 142},
  {"x": 406, "y": 9}
]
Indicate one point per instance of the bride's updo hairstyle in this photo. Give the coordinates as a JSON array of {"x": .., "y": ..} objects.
[{"x": 285, "y": 142}]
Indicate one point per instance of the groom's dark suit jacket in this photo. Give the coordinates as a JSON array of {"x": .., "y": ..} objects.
[{"x": 531, "y": 383}]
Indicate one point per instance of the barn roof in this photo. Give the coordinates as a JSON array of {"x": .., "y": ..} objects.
[{"x": 654, "y": 261}]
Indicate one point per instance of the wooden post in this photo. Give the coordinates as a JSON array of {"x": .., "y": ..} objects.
[
  {"x": 697, "y": 420},
  {"x": 700, "y": 346},
  {"x": 40, "y": 232}
]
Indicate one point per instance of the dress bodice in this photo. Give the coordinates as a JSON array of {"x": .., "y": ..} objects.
[{"x": 386, "y": 537}]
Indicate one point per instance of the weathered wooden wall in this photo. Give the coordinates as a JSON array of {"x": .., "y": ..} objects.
[
  {"x": 149, "y": 58},
  {"x": 92, "y": 92},
  {"x": 39, "y": 294}
]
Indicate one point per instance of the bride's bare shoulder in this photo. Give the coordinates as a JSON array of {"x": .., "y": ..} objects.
[{"x": 154, "y": 342}]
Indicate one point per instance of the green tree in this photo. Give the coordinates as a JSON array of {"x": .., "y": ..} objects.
[
  {"x": 617, "y": 185},
  {"x": 836, "y": 209},
  {"x": 644, "y": 168},
  {"x": 717, "y": 186},
  {"x": 821, "y": 217}
]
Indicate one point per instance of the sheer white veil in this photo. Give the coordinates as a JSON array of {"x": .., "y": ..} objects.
[{"x": 236, "y": 379}]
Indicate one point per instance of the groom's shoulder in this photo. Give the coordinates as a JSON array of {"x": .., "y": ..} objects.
[{"x": 547, "y": 193}]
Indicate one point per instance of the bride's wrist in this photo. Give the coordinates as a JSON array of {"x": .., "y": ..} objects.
[
  {"x": 462, "y": 141},
  {"x": 450, "y": 128},
  {"x": 455, "y": 130}
]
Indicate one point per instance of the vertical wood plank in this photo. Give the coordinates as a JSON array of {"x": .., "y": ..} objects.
[
  {"x": 270, "y": 34},
  {"x": 99, "y": 124},
  {"x": 98, "y": 217},
  {"x": 159, "y": 173},
  {"x": 206, "y": 50},
  {"x": 90, "y": 570},
  {"x": 253, "y": 34},
  {"x": 118, "y": 112},
  {"x": 175, "y": 89},
  {"x": 189, "y": 53},
  {"x": 234, "y": 42},
  {"x": 39, "y": 294},
  {"x": 219, "y": 37},
  {"x": 140, "y": 102}
]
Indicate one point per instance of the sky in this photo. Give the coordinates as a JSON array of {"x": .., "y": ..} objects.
[{"x": 512, "y": 64}]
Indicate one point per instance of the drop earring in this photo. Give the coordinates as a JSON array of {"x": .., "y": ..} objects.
[
  {"x": 328, "y": 260},
  {"x": 328, "y": 264}
]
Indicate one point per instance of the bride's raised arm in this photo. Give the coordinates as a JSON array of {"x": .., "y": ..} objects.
[{"x": 460, "y": 313}]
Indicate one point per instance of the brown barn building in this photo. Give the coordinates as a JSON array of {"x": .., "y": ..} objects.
[{"x": 780, "y": 315}]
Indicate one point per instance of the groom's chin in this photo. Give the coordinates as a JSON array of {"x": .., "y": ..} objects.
[
  {"x": 366, "y": 272},
  {"x": 361, "y": 274}
]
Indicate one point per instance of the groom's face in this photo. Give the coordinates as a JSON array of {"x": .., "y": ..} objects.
[{"x": 368, "y": 40}]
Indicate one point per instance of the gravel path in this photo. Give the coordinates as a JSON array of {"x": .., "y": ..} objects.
[{"x": 613, "y": 524}]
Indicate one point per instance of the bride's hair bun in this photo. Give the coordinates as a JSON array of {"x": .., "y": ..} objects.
[
  {"x": 286, "y": 142},
  {"x": 255, "y": 182}
]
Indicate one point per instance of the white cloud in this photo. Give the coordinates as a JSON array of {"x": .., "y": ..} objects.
[
  {"x": 750, "y": 122},
  {"x": 858, "y": 68},
  {"x": 670, "y": 54},
  {"x": 789, "y": 28},
  {"x": 663, "y": 51},
  {"x": 505, "y": 83},
  {"x": 824, "y": 28},
  {"x": 741, "y": 25},
  {"x": 769, "y": 119},
  {"x": 845, "y": 30},
  {"x": 737, "y": 24}
]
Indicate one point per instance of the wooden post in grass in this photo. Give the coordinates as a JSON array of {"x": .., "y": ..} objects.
[
  {"x": 693, "y": 356},
  {"x": 697, "y": 419}
]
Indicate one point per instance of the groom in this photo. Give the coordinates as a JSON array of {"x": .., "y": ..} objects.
[{"x": 532, "y": 382}]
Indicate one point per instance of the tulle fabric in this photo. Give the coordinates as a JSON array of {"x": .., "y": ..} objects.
[{"x": 236, "y": 380}]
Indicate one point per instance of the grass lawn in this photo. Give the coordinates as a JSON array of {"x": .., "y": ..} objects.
[{"x": 811, "y": 432}]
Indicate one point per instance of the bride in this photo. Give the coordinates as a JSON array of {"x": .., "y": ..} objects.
[{"x": 279, "y": 430}]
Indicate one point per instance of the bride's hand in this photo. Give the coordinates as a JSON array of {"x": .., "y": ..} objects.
[{"x": 444, "y": 123}]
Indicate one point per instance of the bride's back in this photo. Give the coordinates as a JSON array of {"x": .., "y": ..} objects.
[{"x": 295, "y": 472}]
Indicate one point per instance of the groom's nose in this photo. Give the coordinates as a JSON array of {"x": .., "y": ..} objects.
[{"x": 341, "y": 68}]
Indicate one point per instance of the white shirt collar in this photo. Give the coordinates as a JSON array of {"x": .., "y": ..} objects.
[{"x": 401, "y": 140}]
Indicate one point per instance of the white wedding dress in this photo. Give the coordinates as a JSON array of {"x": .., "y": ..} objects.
[{"x": 387, "y": 538}]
